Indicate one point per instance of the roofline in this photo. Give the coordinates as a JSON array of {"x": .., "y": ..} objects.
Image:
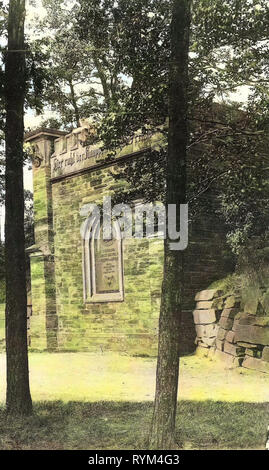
[{"x": 44, "y": 131}]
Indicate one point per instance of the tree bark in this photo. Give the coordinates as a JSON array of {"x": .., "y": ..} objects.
[
  {"x": 18, "y": 396},
  {"x": 74, "y": 102},
  {"x": 103, "y": 79},
  {"x": 162, "y": 435}
]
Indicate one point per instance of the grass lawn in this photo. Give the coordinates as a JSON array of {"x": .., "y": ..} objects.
[
  {"x": 87, "y": 401},
  {"x": 124, "y": 425}
]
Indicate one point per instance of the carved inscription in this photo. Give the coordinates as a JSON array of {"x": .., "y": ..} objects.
[
  {"x": 107, "y": 266},
  {"x": 74, "y": 161}
]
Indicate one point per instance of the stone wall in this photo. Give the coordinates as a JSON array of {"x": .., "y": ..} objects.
[
  {"x": 130, "y": 325},
  {"x": 68, "y": 174},
  {"x": 224, "y": 331}
]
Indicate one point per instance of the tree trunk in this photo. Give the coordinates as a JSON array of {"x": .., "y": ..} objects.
[
  {"x": 162, "y": 435},
  {"x": 18, "y": 391},
  {"x": 74, "y": 102},
  {"x": 102, "y": 76}
]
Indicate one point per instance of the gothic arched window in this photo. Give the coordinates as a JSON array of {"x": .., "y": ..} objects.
[{"x": 102, "y": 264}]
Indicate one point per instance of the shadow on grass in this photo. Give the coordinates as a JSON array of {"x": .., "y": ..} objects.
[{"x": 124, "y": 425}]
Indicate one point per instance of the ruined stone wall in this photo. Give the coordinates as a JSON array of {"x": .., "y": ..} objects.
[{"x": 225, "y": 331}]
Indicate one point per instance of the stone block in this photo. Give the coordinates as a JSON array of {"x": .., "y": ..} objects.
[
  {"x": 253, "y": 353},
  {"x": 247, "y": 345},
  {"x": 256, "y": 364},
  {"x": 245, "y": 319},
  {"x": 204, "y": 317},
  {"x": 208, "y": 294},
  {"x": 230, "y": 336},
  {"x": 229, "y": 312},
  {"x": 252, "y": 296},
  {"x": 252, "y": 334},
  {"x": 250, "y": 352},
  {"x": 226, "y": 323},
  {"x": 240, "y": 315},
  {"x": 265, "y": 354},
  {"x": 229, "y": 360},
  {"x": 249, "y": 319},
  {"x": 208, "y": 331},
  {"x": 209, "y": 341},
  {"x": 221, "y": 334},
  {"x": 219, "y": 344},
  {"x": 204, "y": 305},
  {"x": 233, "y": 349},
  {"x": 235, "y": 323}
]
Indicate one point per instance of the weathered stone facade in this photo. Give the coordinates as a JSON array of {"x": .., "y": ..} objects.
[
  {"x": 67, "y": 175},
  {"x": 225, "y": 331}
]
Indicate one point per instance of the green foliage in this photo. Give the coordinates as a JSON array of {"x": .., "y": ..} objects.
[
  {"x": 226, "y": 148},
  {"x": 135, "y": 39},
  {"x": 230, "y": 283},
  {"x": 227, "y": 141},
  {"x": 109, "y": 60}
]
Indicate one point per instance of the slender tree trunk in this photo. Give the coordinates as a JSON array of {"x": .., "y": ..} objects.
[
  {"x": 162, "y": 434},
  {"x": 74, "y": 102},
  {"x": 18, "y": 392},
  {"x": 103, "y": 79}
]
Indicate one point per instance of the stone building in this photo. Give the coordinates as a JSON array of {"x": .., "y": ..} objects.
[{"x": 73, "y": 305}]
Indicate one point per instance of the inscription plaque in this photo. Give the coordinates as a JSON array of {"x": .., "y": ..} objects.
[
  {"x": 103, "y": 267},
  {"x": 107, "y": 266}
]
